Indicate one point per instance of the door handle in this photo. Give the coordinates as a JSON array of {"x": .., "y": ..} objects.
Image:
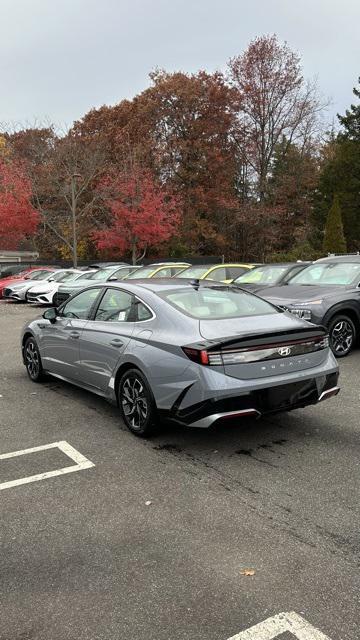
[
  {"x": 74, "y": 334},
  {"x": 116, "y": 342}
]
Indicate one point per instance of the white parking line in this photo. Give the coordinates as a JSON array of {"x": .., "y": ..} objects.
[
  {"x": 275, "y": 626},
  {"x": 65, "y": 447}
]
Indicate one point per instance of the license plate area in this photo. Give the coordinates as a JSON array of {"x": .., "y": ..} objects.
[{"x": 287, "y": 396}]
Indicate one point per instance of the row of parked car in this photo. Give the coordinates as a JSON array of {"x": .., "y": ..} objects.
[
  {"x": 195, "y": 344},
  {"x": 326, "y": 292}
]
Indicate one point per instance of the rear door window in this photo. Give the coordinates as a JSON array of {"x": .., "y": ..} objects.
[{"x": 115, "y": 306}]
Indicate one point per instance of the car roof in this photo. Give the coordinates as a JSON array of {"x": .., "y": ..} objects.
[
  {"x": 163, "y": 284},
  {"x": 167, "y": 264},
  {"x": 284, "y": 264},
  {"x": 103, "y": 265},
  {"x": 231, "y": 264},
  {"x": 218, "y": 265},
  {"x": 341, "y": 259}
]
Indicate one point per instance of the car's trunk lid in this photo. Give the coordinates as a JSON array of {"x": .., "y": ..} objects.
[{"x": 263, "y": 346}]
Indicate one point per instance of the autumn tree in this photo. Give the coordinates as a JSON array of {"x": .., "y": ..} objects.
[
  {"x": 142, "y": 213},
  {"x": 190, "y": 120},
  {"x": 18, "y": 218},
  {"x": 334, "y": 239},
  {"x": 179, "y": 129},
  {"x": 273, "y": 100}
]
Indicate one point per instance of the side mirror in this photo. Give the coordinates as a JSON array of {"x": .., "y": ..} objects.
[
  {"x": 51, "y": 314},
  {"x": 50, "y": 279},
  {"x": 112, "y": 279}
]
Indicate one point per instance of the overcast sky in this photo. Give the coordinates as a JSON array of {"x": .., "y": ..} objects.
[{"x": 59, "y": 58}]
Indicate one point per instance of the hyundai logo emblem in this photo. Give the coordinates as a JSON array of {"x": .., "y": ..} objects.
[{"x": 284, "y": 351}]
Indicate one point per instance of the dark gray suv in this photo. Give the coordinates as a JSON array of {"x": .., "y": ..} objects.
[{"x": 326, "y": 293}]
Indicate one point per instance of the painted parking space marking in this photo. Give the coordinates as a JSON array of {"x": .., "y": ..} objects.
[
  {"x": 281, "y": 623},
  {"x": 80, "y": 463}
]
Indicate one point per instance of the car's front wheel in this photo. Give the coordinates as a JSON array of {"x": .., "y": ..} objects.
[
  {"x": 137, "y": 404},
  {"x": 33, "y": 361},
  {"x": 342, "y": 334}
]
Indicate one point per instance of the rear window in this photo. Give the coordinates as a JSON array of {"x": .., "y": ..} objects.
[{"x": 217, "y": 303}]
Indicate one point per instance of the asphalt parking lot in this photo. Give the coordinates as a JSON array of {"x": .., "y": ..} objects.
[{"x": 148, "y": 539}]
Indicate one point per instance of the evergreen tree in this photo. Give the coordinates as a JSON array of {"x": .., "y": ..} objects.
[
  {"x": 340, "y": 174},
  {"x": 334, "y": 239},
  {"x": 351, "y": 120}
]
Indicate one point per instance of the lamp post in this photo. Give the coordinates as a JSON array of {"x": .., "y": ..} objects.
[{"x": 74, "y": 177}]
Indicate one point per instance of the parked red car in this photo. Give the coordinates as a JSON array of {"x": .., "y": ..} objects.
[{"x": 31, "y": 273}]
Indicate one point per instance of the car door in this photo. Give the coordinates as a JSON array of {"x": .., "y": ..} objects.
[
  {"x": 59, "y": 341},
  {"x": 105, "y": 337}
]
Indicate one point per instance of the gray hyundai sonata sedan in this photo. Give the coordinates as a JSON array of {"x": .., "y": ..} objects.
[{"x": 192, "y": 351}]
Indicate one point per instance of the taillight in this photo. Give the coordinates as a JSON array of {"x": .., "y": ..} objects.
[
  {"x": 200, "y": 356},
  {"x": 259, "y": 353}
]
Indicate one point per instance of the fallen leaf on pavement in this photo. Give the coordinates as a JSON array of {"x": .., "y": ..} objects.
[{"x": 247, "y": 572}]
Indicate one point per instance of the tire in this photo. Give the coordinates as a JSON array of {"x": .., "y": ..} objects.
[
  {"x": 33, "y": 361},
  {"x": 136, "y": 403},
  {"x": 342, "y": 334}
]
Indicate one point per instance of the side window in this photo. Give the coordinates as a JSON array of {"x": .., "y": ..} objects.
[
  {"x": 120, "y": 274},
  {"x": 176, "y": 270},
  {"x": 292, "y": 273},
  {"x": 163, "y": 273},
  {"x": 217, "y": 274},
  {"x": 235, "y": 272},
  {"x": 142, "y": 311},
  {"x": 115, "y": 306},
  {"x": 81, "y": 305}
]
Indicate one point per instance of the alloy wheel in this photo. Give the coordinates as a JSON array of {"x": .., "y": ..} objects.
[
  {"x": 32, "y": 359},
  {"x": 342, "y": 337},
  {"x": 134, "y": 401}
]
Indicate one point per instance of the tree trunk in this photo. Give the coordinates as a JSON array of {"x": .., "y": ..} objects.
[{"x": 73, "y": 215}]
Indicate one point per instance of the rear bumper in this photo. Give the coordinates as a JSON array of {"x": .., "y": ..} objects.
[{"x": 265, "y": 401}]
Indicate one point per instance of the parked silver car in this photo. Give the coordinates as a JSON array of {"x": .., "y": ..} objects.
[{"x": 193, "y": 352}]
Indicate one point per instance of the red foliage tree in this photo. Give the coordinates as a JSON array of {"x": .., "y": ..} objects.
[
  {"x": 142, "y": 214},
  {"x": 18, "y": 218}
]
